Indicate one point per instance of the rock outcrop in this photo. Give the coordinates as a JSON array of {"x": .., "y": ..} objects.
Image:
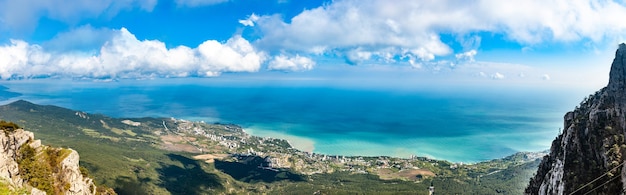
[
  {"x": 588, "y": 157},
  {"x": 70, "y": 172},
  {"x": 11, "y": 144},
  {"x": 66, "y": 177}
]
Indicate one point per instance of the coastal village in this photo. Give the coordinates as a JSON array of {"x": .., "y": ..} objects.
[{"x": 226, "y": 142}]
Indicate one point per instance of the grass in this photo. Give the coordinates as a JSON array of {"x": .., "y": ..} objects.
[
  {"x": 96, "y": 134},
  {"x": 91, "y": 132},
  {"x": 6, "y": 188},
  {"x": 122, "y": 132}
]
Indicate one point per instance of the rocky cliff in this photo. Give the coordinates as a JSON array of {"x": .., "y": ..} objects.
[
  {"x": 27, "y": 165},
  {"x": 588, "y": 157}
]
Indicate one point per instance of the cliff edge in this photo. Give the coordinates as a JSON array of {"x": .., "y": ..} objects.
[
  {"x": 27, "y": 166},
  {"x": 588, "y": 157}
]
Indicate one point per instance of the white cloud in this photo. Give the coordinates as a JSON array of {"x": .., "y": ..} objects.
[
  {"x": 545, "y": 77},
  {"x": 297, "y": 63},
  {"x": 250, "y": 20},
  {"x": 411, "y": 29},
  {"x": 497, "y": 76},
  {"x": 498, "y": 71},
  {"x": 356, "y": 56},
  {"x": 195, "y": 3},
  {"x": 236, "y": 55},
  {"x": 347, "y": 25},
  {"x": 23, "y": 15},
  {"x": 124, "y": 56},
  {"x": 467, "y": 56},
  {"x": 19, "y": 56}
]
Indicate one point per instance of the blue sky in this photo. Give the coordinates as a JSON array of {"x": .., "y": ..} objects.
[{"x": 486, "y": 42}]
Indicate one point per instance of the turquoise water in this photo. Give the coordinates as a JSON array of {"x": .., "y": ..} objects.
[{"x": 459, "y": 125}]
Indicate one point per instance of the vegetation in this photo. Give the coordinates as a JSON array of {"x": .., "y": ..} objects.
[
  {"x": 36, "y": 172},
  {"x": 8, "y": 127},
  {"x": 509, "y": 181},
  {"x": 83, "y": 171},
  {"x": 7, "y": 189},
  {"x": 41, "y": 169}
]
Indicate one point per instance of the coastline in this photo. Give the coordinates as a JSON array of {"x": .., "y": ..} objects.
[
  {"x": 354, "y": 148},
  {"x": 335, "y": 124},
  {"x": 297, "y": 142}
]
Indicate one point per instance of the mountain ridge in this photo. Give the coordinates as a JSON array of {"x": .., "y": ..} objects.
[{"x": 588, "y": 155}]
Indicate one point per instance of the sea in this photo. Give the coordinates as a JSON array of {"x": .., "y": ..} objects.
[{"x": 455, "y": 124}]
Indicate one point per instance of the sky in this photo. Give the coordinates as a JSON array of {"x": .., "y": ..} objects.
[{"x": 397, "y": 42}]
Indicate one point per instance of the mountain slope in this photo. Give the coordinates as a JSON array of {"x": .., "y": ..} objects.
[
  {"x": 588, "y": 156},
  {"x": 124, "y": 157},
  {"x": 27, "y": 165}
]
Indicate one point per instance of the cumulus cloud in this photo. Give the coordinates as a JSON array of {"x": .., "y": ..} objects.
[
  {"x": 467, "y": 56},
  {"x": 124, "y": 56},
  {"x": 19, "y": 56},
  {"x": 195, "y": 3},
  {"x": 23, "y": 15},
  {"x": 494, "y": 76},
  {"x": 411, "y": 29},
  {"x": 250, "y": 20},
  {"x": 518, "y": 73},
  {"x": 497, "y": 76},
  {"x": 356, "y": 56},
  {"x": 292, "y": 64}
]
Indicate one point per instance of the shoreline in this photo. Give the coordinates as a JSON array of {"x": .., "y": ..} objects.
[
  {"x": 305, "y": 144},
  {"x": 342, "y": 129},
  {"x": 349, "y": 146},
  {"x": 297, "y": 142}
]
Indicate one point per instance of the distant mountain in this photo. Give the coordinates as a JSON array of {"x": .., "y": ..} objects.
[
  {"x": 588, "y": 157},
  {"x": 5, "y": 94}
]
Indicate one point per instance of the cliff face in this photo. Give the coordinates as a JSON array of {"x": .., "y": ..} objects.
[
  {"x": 18, "y": 166},
  {"x": 11, "y": 144},
  {"x": 588, "y": 156}
]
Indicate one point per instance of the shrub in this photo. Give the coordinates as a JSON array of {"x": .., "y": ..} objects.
[
  {"x": 8, "y": 126},
  {"x": 36, "y": 173},
  {"x": 83, "y": 171},
  {"x": 40, "y": 169}
]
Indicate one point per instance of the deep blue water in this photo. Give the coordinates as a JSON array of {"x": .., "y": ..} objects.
[{"x": 457, "y": 125}]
